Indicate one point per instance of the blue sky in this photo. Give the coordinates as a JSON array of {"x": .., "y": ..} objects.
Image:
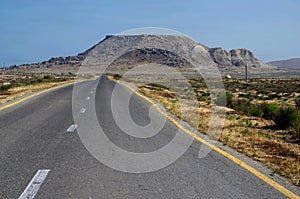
[{"x": 36, "y": 30}]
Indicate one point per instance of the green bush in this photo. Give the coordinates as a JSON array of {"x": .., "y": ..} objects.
[
  {"x": 200, "y": 97},
  {"x": 296, "y": 126},
  {"x": 47, "y": 77},
  {"x": 72, "y": 74},
  {"x": 257, "y": 111},
  {"x": 117, "y": 76},
  {"x": 269, "y": 110},
  {"x": 297, "y": 101},
  {"x": 229, "y": 99},
  {"x": 242, "y": 105},
  {"x": 220, "y": 99},
  {"x": 286, "y": 117},
  {"x": 248, "y": 96},
  {"x": 157, "y": 85},
  {"x": 224, "y": 99},
  {"x": 5, "y": 87}
]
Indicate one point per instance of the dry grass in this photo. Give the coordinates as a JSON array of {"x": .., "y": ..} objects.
[
  {"x": 252, "y": 136},
  {"x": 16, "y": 92}
]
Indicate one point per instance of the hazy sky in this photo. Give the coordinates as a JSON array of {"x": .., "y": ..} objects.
[{"x": 36, "y": 30}]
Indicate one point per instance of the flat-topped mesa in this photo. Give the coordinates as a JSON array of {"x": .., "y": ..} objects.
[
  {"x": 174, "y": 43},
  {"x": 169, "y": 48},
  {"x": 178, "y": 51}
]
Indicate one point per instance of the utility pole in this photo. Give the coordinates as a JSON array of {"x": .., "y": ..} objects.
[
  {"x": 246, "y": 72},
  {"x": 14, "y": 73}
]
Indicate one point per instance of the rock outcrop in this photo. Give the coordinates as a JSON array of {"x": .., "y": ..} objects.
[
  {"x": 220, "y": 56},
  {"x": 235, "y": 57}
]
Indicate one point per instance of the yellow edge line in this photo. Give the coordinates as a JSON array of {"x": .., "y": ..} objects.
[
  {"x": 33, "y": 95},
  {"x": 239, "y": 162}
]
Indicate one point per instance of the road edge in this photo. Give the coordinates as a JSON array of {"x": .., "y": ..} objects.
[{"x": 217, "y": 149}]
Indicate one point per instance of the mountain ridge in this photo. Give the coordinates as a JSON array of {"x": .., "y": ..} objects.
[
  {"x": 170, "y": 50},
  {"x": 293, "y": 63}
]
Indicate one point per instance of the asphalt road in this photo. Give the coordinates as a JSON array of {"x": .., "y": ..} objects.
[{"x": 33, "y": 136}]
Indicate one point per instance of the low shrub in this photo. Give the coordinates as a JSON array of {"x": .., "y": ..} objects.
[
  {"x": 257, "y": 111},
  {"x": 157, "y": 86},
  {"x": 5, "y": 87},
  {"x": 296, "y": 126},
  {"x": 220, "y": 99},
  {"x": 297, "y": 101},
  {"x": 200, "y": 97},
  {"x": 286, "y": 117},
  {"x": 242, "y": 105},
  {"x": 47, "y": 77},
  {"x": 117, "y": 76},
  {"x": 269, "y": 110},
  {"x": 224, "y": 99}
]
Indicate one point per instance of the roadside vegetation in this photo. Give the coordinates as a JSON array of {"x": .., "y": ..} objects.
[
  {"x": 262, "y": 118},
  {"x": 14, "y": 86}
]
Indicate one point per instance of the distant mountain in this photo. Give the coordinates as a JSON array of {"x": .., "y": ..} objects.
[
  {"x": 289, "y": 63},
  {"x": 122, "y": 52}
]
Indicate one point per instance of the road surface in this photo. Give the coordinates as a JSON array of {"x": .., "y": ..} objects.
[{"x": 33, "y": 137}]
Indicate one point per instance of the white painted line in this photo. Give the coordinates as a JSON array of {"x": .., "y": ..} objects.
[
  {"x": 35, "y": 184},
  {"x": 87, "y": 98},
  {"x": 92, "y": 92},
  {"x": 82, "y": 110},
  {"x": 72, "y": 128}
]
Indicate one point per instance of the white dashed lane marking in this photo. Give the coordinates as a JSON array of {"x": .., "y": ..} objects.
[
  {"x": 72, "y": 128},
  {"x": 82, "y": 110},
  {"x": 35, "y": 184},
  {"x": 87, "y": 98}
]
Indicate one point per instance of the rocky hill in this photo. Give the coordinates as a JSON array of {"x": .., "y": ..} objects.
[{"x": 125, "y": 51}]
